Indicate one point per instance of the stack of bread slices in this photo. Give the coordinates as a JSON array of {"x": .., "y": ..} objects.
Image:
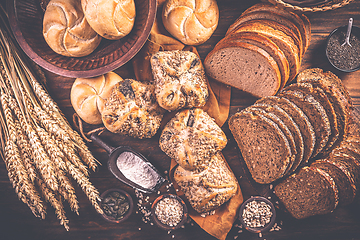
[
  {"x": 304, "y": 121},
  {"x": 261, "y": 51}
]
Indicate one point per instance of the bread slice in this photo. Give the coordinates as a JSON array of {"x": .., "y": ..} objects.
[
  {"x": 283, "y": 41},
  {"x": 320, "y": 96},
  {"x": 283, "y": 127},
  {"x": 316, "y": 114},
  {"x": 307, "y": 193},
  {"x": 299, "y": 117},
  {"x": 269, "y": 46},
  {"x": 295, "y": 18},
  {"x": 348, "y": 166},
  {"x": 264, "y": 147},
  {"x": 245, "y": 67},
  {"x": 294, "y": 129},
  {"x": 307, "y": 24},
  {"x": 345, "y": 188}
]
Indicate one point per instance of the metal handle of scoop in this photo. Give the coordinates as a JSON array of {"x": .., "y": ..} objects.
[
  {"x": 109, "y": 149},
  {"x": 348, "y": 33}
]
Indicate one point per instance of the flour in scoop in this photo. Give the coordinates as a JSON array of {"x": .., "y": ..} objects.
[{"x": 137, "y": 170}]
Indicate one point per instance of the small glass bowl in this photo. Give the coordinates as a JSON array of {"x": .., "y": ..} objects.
[
  {"x": 128, "y": 198},
  {"x": 354, "y": 31},
  {"x": 165, "y": 226},
  {"x": 258, "y": 229}
]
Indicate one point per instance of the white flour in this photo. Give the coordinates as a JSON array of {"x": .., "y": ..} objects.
[{"x": 136, "y": 170}]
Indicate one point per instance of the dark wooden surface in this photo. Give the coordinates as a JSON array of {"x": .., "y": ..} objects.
[{"x": 17, "y": 222}]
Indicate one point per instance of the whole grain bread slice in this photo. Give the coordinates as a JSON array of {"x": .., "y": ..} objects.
[
  {"x": 294, "y": 129},
  {"x": 299, "y": 117},
  {"x": 316, "y": 114},
  {"x": 264, "y": 147},
  {"x": 349, "y": 167},
  {"x": 307, "y": 193},
  {"x": 265, "y": 43},
  {"x": 245, "y": 67}
]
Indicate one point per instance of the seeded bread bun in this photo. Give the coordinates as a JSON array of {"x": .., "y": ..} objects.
[
  {"x": 110, "y": 18},
  {"x": 66, "y": 30},
  {"x": 191, "y": 21},
  {"x": 88, "y": 96}
]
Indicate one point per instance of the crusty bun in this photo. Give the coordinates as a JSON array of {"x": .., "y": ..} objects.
[
  {"x": 191, "y": 21},
  {"x": 88, "y": 96},
  {"x": 66, "y": 30},
  {"x": 112, "y": 19}
]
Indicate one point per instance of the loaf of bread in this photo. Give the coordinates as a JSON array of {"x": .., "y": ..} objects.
[
  {"x": 179, "y": 80},
  {"x": 67, "y": 31},
  {"x": 132, "y": 110},
  {"x": 191, "y": 21},
  {"x": 88, "y": 96},
  {"x": 207, "y": 189},
  {"x": 110, "y": 18},
  {"x": 191, "y": 138}
]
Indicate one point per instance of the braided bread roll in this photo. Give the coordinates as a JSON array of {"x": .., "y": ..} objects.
[
  {"x": 112, "y": 19},
  {"x": 191, "y": 21},
  {"x": 66, "y": 30}
]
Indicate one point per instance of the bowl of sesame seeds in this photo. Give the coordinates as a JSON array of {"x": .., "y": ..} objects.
[
  {"x": 169, "y": 212},
  {"x": 257, "y": 214}
]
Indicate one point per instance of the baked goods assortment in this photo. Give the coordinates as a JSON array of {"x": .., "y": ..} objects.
[
  {"x": 261, "y": 51},
  {"x": 277, "y": 134},
  {"x": 66, "y": 29},
  {"x": 179, "y": 78},
  {"x": 191, "y": 21}
]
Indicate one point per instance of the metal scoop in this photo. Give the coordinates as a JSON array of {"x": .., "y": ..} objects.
[
  {"x": 131, "y": 167},
  {"x": 348, "y": 33}
]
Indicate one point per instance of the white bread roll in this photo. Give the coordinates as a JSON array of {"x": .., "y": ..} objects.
[
  {"x": 191, "y": 21},
  {"x": 88, "y": 96},
  {"x": 66, "y": 30},
  {"x": 112, "y": 19}
]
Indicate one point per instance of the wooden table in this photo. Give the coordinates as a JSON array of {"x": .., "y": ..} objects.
[{"x": 17, "y": 222}]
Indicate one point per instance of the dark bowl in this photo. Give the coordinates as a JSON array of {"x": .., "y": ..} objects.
[
  {"x": 258, "y": 229},
  {"x": 158, "y": 222},
  {"x": 127, "y": 214},
  {"x": 26, "y": 18},
  {"x": 354, "y": 31}
]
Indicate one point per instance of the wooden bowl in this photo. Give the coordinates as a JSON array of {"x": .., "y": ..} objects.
[{"x": 26, "y": 19}]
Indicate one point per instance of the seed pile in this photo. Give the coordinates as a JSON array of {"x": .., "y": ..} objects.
[
  {"x": 169, "y": 211},
  {"x": 257, "y": 214},
  {"x": 115, "y": 205}
]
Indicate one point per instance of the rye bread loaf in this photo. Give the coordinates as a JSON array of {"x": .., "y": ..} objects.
[
  {"x": 294, "y": 129},
  {"x": 320, "y": 96},
  {"x": 299, "y": 117},
  {"x": 345, "y": 188},
  {"x": 308, "y": 192},
  {"x": 283, "y": 41},
  {"x": 209, "y": 188},
  {"x": 264, "y": 147},
  {"x": 266, "y": 44},
  {"x": 245, "y": 67},
  {"x": 316, "y": 114}
]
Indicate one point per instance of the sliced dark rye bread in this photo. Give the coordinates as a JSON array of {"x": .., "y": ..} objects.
[
  {"x": 265, "y": 43},
  {"x": 345, "y": 151},
  {"x": 263, "y": 145},
  {"x": 267, "y": 15},
  {"x": 348, "y": 166},
  {"x": 317, "y": 78},
  {"x": 307, "y": 193},
  {"x": 295, "y": 18},
  {"x": 283, "y": 127},
  {"x": 321, "y": 97},
  {"x": 345, "y": 188},
  {"x": 299, "y": 117},
  {"x": 293, "y": 127},
  {"x": 245, "y": 67},
  {"x": 316, "y": 115},
  {"x": 283, "y": 41}
]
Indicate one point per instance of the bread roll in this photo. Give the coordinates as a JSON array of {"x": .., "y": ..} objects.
[
  {"x": 88, "y": 96},
  {"x": 132, "y": 110},
  {"x": 207, "y": 189},
  {"x": 66, "y": 30},
  {"x": 191, "y": 21},
  {"x": 112, "y": 19}
]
